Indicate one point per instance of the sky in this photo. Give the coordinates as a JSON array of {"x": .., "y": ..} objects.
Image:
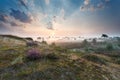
[{"x": 60, "y": 17}]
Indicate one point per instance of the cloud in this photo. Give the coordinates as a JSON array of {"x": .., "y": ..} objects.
[
  {"x": 59, "y": 18},
  {"x": 82, "y": 8},
  {"x": 89, "y": 5},
  {"x": 100, "y": 5},
  {"x": 21, "y": 16},
  {"x": 107, "y": 0},
  {"x": 3, "y": 18},
  {"x": 10, "y": 21},
  {"x": 47, "y": 2},
  {"x": 23, "y": 3},
  {"x": 62, "y": 13},
  {"x": 7, "y": 23},
  {"x": 50, "y": 25},
  {"x": 15, "y": 24},
  {"x": 86, "y": 2},
  {"x": 92, "y": 8},
  {"x": 4, "y": 27}
]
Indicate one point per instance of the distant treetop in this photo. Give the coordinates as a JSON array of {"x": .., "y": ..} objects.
[{"x": 104, "y": 35}]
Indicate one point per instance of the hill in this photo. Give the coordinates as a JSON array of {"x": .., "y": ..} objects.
[
  {"x": 56, "y": 64},
  {"x": 11, "y": 40}
]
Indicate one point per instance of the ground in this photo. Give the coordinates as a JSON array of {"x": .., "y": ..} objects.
[{"x": 57, "y": 63}]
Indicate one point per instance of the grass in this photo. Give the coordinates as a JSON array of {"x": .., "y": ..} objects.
[
  {"x": 46, "y": 69},
  {"x": 57, "y": 63},
  {"x": 95, "y": 58},
  {"x": 14, "y": 37}
]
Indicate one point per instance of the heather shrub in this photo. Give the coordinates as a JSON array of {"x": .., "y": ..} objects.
[
  {"x": 52, "y": 56},
  {"x": 33, "y": 54}
]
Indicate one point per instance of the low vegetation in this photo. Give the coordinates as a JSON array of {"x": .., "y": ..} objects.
[{"x": 84, "y": 61}]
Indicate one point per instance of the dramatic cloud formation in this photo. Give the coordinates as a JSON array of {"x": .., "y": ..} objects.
[
  {"x": 3, "y": 18},
  {"x": 50, "y": 25},
  {"x": 20, "y": 16},
  {"x": 3, "y": 27},
  {"x": 23, "y": 3},
  {"x": 64, "y": 17},
  {"x": 14, "y": 24},
  {"x": 93, "y": 6},
  {"x": 86, "y": 2}
]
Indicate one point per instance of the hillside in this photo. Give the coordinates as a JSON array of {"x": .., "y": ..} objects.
[
  {"x": 57, "y": 63},
  {"x": 11, "y": 40}
]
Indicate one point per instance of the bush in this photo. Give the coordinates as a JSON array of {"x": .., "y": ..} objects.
[
  {"x": 33, "y": 54},
  {"x": 53, "y": 45},
  {"x": 85, "y": 43},
  {"x": 44, "y": 42},
  {"x": 100, "y": 50},
  {"x": 117, "y": 60},
  {"x": 94, "y": 41},
  {"x": 118, "y": 44},
  {"x": 31, "y": 43},
  {"x": 109, "y": 47},
  {"x": 52, "y": 56}
]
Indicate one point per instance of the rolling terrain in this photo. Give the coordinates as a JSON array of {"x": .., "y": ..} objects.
[{"x": 69, "y": 62}]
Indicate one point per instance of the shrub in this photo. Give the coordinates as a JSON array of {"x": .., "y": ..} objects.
[
  {"x": 109, "y": 47},
  {"x": 32, "y": 43},
  {"x": 52, "y": 56},
  {"x": 117, "y": 60},
  {"x": 104, "y": 36},
  {"x": 118, "y": 44},
  {"x": 85, "y": 43},
  {"x": 33, "y": 54},
  {"x": 100, "y": 50},
  {"x": 94, "y": 41},
  {"x": 44, "y": 42},
  {"x": 53, "y": 45}
]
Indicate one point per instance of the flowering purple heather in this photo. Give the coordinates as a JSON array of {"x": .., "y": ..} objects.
[{"x": 33, "y": 54}]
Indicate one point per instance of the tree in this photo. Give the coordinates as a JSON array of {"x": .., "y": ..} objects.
[
  {"x": 104, "y": 36},
  {"x": 118, "y": 39},
  {"x": 109, "y": 47},
  {"x": 44, "y": 42},
  {"x": 94, "y": 41},
  {"x": 85, "y": 43},
  {"x": 38, "y": 37}
]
